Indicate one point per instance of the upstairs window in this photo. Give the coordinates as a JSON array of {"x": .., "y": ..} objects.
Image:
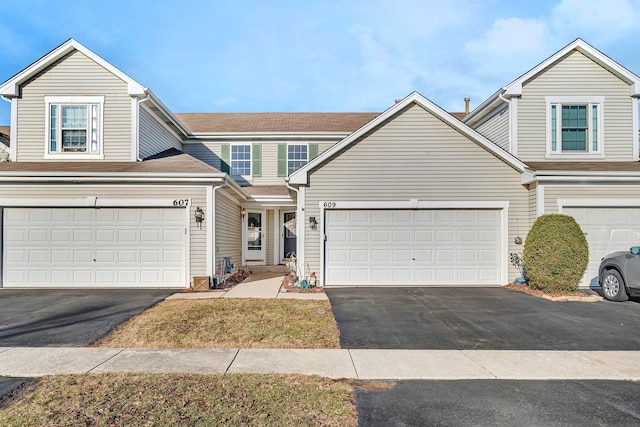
[
  {"x": 574, "y": 127},
  {"x": 241, "y": 160},
  {"x": 297, "y": 156},
  {"x": 74, "y": 126}
]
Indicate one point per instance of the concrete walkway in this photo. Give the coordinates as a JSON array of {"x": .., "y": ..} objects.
[
  {"x": 259, "y": 285},
  {"x": 360, "y": 364}
]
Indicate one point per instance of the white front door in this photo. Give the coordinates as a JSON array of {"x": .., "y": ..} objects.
[
  {"x": 85, "y": 247},
  {"x": 255, "y": 238},
  {"x": 413, "y": 247}
]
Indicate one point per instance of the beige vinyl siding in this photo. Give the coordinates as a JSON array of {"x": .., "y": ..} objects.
[
  {"x": 228, "y": 230},
  {"x": 210, "y": 152},
  {"x": 554, "y": 192},
  {"x": 197, "y": 194},
  {"x": 414, "y": 156},
  {"x": 154, "y": 137},
  {"x": 576, "y": 75},
  {"x": 74, "y": 75},
  {"x": 496, "y": 128}
]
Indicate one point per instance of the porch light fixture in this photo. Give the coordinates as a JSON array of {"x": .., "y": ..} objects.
[
  {"x": 313, "y": 223},
  {"x": 242, "y": 213},
  {"x": 199, "y": 214}
]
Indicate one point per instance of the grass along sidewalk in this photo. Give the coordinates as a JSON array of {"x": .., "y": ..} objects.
[
  {"x": 229, "y": 323},
  {"x": 189, "y": 400}
]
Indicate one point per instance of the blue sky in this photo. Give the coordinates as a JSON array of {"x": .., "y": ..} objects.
[{"x": 308, "y": 55}]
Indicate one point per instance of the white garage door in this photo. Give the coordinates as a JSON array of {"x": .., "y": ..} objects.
[
  {"x": 413, "y": 247},
  {"x": 107, "y": 247},
  {"x": 607, "y": 230}
]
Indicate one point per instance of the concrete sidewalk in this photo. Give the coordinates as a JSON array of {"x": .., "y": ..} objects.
[
  {"x": 259, "y": 285},
  {"x": 360, "y": 364}
]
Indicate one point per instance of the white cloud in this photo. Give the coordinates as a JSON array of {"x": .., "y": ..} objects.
[
  {"x": 508, "y": 46},
  {"x": 601, "y": 22}
]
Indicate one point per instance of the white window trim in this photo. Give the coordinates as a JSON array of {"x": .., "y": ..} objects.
[
  {"x": 296, "y": 143},
  {"x": 80, "y": 100},
  {"x": 245, "y": 177},
  {"x": 574, "y": 100}
]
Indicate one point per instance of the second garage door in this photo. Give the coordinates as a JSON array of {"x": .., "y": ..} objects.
[
  {"x": 413, "y": 247},
  {"x": 607, "y": 229},
  {"x": 82, "y": 247}
]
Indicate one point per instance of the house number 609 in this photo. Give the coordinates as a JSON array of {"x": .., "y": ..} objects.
[
  {"x": 181, "y": 202},
  {"x": 329, "y": 204}
]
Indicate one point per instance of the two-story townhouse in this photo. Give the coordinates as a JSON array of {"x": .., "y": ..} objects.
[
  {"x": 98, "y": 191},
  {"x": 258, "y": 151},
  {"x": 573, "y": 119},
  {"x": 106, "y": 187}
]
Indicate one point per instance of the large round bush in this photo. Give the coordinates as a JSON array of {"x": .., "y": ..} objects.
[{"x": 555, "y": 253}]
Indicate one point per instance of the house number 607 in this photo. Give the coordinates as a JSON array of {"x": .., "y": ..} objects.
[{"x": 181, "y": 202}]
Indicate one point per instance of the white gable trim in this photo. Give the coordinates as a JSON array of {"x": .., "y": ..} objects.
[
  {"x": 301, "y": 175},
  {"x": 11, "y": 88},
  {"x": 515, "y": 88}
]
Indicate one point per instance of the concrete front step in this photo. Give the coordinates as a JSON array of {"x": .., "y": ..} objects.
[{"x": 267, "y": 268}]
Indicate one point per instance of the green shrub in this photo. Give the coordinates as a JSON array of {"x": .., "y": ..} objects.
[{"x": 555, "y": 254}]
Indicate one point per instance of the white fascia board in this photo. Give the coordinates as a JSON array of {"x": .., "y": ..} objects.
[
  {"x": 484, "y": 108},
  {"x": 198, "y": 137},
  {"x": 163, "y": 108},
  {"x": 515, "y": 88},
  {"x": 300, "y": 177},
  {"x": 11, "y": 88},
  {"x": 583, "y": 177}
]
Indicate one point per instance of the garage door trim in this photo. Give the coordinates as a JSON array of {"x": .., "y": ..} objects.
[
  {"x": 416, "y": 204},
  {"x": 595, "y": 203},
  {"x": 97, "y": 202}
]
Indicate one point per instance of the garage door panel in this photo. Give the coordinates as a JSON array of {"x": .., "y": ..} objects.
[
  {"x": 419, "y": 247},
  {"x": 607, "y": 229},
  {"x": 80, "y": 247}
]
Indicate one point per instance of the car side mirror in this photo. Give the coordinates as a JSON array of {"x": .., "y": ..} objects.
[{"x": 635, "y": 250}]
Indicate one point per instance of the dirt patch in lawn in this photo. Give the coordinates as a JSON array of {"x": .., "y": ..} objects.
[
  {"x": 229, "y": 323},
  {"x": 185, "y": 400}
]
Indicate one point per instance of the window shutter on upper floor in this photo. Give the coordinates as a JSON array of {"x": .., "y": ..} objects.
[
  {"x": 256, "y": 160},
  {"x": 313, "y": 151},
  {"x": 282, "y": 159},
  {"x": 225, "y": 158}
]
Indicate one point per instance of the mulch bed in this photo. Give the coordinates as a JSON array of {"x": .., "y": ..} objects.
[
  {"x": 231, "y": 282},
  {"x": 289, "y": 286},
  {"x": 541, "y": 294}
]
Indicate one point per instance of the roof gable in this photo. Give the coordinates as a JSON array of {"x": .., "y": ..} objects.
[
  {"x": 301, "y": 175},
  {"x": 11, "y": 87},
  {"x": 515, "y": 87}
]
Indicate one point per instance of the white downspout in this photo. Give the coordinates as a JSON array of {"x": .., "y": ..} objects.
[
  {"x": 299, "y": 227},
  {"x": 508, "y": 101},
  {"x": 211, "y": 232},
  {"x": 136, "y": 126}
]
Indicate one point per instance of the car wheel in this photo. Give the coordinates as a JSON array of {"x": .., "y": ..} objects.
[{"x": 613, "y": 286}]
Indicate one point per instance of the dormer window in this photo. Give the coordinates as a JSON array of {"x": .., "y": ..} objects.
[
  {"x": 574, "y": 126},
  {"x": 74, "y": 127}
]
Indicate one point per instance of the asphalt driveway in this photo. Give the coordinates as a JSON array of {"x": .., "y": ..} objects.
[
  {"x": 55, "y": 317},
  {"x": 479, "y": 318}
]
